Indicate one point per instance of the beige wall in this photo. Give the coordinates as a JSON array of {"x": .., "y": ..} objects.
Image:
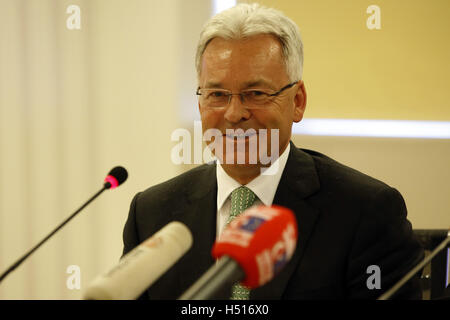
[
  {"x": 400, "y": 71},
  {"x": 74, "y": 104}
]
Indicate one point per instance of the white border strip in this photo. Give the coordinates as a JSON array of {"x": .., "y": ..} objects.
[
  {"x": 220, "y": 5},
  {"x": 373, "y": 128}
]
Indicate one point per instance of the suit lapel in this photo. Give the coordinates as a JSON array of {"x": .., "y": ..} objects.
[
  {"x": 198, "y": 212},
  {"x": 299, "y": 180}
]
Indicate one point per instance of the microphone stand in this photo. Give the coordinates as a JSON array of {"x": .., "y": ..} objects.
[
  {"x": 106, "y": 186},
  {"x": 408, "y": 276}
]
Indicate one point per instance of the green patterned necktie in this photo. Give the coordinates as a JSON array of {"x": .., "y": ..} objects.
[{"x": 241, "y": 199}]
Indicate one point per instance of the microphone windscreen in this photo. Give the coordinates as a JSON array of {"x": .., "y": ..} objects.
[
  {"x": 262, "y": 240},
  {"x": 143, "y": 265},
  {"x": 119, "y": 174}
]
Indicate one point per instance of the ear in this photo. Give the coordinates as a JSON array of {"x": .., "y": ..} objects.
[{"x": 299, "y": 102}]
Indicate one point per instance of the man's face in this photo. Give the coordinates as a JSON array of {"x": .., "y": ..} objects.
[{"x": 252, "y": 63}]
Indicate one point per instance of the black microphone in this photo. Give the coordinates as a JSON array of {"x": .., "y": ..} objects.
[
  {"x": 115, "y": 178},
  {"x": 416, "y": 269}
]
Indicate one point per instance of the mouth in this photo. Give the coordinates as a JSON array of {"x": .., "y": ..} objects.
[{"x": 243, "y": 135}]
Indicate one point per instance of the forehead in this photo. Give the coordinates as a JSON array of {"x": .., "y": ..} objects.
[{"x": 252, "y": 59}]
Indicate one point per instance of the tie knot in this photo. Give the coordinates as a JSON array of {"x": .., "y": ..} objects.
[{"x": 241, "y": 199}]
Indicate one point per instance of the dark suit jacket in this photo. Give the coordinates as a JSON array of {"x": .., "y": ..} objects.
[{"x": 347, "y": 221}]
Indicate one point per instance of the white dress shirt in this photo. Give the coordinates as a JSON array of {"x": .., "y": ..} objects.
[{"x": 264, "y": 187}]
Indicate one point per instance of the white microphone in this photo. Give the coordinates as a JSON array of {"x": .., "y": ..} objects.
[{"x": 142, "y": 266}]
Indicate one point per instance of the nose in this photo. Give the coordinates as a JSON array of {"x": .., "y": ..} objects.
[{"x": 236, "y": 111}]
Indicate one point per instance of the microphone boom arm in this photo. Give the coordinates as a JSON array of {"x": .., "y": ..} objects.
[
  {"x": 107, "y": 185},
  {"x": 408, "y": 276},
  {"x": 210, "y": 287}
]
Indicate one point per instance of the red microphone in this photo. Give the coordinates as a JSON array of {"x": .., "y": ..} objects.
[{"x": 253, "y": 248}]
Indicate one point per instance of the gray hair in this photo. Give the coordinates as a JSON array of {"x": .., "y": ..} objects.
[{"x": 245, "y": 20}]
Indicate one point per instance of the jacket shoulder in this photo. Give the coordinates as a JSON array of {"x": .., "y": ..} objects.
[
  {"x": 334, "y": 173},
  {"x": 180, "y": 184}
]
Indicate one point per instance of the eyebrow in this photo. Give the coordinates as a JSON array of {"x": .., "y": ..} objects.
[
  {"x": 258, "y": 83},
  {"x": 211, "y": 84},
  {"x": 246, "y": 85}
]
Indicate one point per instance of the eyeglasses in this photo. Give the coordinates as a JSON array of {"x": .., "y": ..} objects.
[{"x": 219, "y": 98}]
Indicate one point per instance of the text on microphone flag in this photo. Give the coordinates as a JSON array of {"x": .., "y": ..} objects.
[
  {"x": 270, "y": 262},
  {"x": 262, "y": 240}
]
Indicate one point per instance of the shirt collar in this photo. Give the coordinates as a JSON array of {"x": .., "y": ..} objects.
[{"x": 264, "y": 185}]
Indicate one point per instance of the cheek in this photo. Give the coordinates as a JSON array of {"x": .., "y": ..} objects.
[
  {"x": 210, "y": 118},
  {"x": 274, "y": 119},
  {"x": 268, "y": 118}
]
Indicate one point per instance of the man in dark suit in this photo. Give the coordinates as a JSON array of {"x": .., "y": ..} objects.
[{"x": 249, "y": 64}]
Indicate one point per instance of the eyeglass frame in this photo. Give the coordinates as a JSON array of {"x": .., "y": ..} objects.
[{"x": 290, "y": 85}]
